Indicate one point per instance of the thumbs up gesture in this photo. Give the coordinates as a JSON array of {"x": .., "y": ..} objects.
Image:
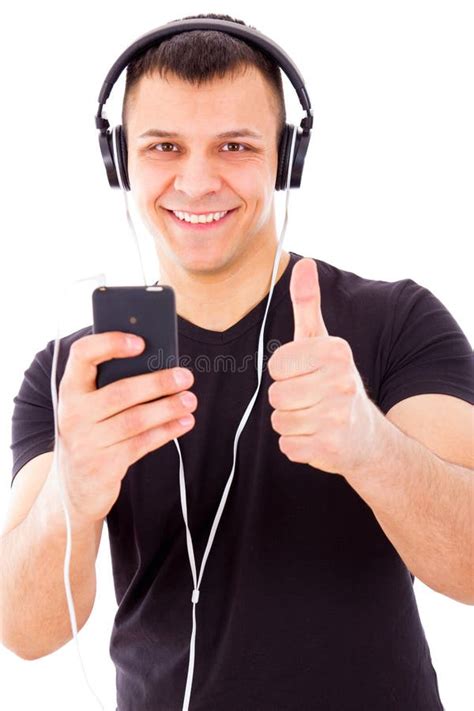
[{"x": 321, "y": 408}]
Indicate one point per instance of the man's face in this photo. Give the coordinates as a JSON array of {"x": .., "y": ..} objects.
[{"x": 196, "y": 171}]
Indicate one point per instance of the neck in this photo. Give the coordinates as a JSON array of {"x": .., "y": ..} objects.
[{"x": 217, "y": 300}]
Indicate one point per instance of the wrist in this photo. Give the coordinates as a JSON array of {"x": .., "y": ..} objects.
[
  {"x": 379, "y": 452},
  {"x": 51, "y": 510}
]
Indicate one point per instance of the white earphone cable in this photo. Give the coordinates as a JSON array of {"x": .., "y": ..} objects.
[
  {"x": 100, "y": 280},
  {"x": 182, "y": 485}
]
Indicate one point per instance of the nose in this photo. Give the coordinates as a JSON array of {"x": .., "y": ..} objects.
[{"x": 197, "y": 176}]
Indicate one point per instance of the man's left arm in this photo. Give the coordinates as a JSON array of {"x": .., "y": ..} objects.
[
  {"x": 419, "y": 483},
  {"x": 413, "y": 467}
]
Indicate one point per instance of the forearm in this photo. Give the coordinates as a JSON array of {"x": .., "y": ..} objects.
[
  {"x": 34, "y": 618},
  {"x": 425, "y": 506}
]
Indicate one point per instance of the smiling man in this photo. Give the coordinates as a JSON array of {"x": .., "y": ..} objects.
[{"x": 354, "y": 470}]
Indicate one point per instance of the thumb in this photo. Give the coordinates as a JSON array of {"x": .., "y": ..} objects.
[{"x": 306, "y": 300}]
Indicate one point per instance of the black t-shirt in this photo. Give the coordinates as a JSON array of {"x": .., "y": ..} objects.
[{"x": 305, "y": 604}]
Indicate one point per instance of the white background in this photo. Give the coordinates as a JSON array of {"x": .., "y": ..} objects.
[{"x": 387, "y": 192}]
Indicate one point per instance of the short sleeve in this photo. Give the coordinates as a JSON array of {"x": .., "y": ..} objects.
[
  {"x": 428, "y": 351},
  {"x": 32, "y": 420},
  {"x": 32, "y": 431}
]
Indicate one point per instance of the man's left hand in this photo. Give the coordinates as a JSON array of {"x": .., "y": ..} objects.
[{"x": 321, "y": 409}]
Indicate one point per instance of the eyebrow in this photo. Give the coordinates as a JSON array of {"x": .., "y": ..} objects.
[{"x": 236, "y": 133}]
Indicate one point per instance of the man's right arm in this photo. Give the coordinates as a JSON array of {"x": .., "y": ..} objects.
[
  {"x": 103, "y": 432},
  {"x": 34, "y": 617}
]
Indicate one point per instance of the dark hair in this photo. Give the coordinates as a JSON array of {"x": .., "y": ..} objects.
[{"x": 201, "y": 55}]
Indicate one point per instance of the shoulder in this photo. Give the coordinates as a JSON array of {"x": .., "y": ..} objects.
[
  {"x": 350, "y": 284},
  {"x": 385, "y": 311},
  {"x": 354, "y": 299},
  {"x": 354, "y": 285}
]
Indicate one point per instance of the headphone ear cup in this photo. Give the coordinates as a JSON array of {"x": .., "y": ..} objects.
[
  {"x": 284, "y": 157},
  {"x": 122, "y": 157},
  {"x": 106, "y": 149}
]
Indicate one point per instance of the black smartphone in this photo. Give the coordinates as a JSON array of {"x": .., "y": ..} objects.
[{"x": 146, "y": 311}]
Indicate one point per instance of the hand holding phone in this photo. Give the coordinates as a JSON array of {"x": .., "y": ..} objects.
[{"x": 104, "y": 430}]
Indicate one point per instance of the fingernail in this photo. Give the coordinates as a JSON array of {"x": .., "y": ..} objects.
[
  {"x": 135, "y": 343},
  {"x": 182, "y": 377},
  {"x": 187, "y": 398}
]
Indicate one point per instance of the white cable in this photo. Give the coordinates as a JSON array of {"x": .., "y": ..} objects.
[
  {"x": 137, "y": 243},
  {"x": 182, "y": 485},
  {"x": 100, "y": 279}
]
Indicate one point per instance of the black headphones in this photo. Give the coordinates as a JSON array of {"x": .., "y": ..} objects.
[{"x": 113, "y": 145}]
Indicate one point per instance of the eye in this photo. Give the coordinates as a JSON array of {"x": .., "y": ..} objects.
[
  {"x": 235, "y": 144},
  {"x": 162, "y": 144}
]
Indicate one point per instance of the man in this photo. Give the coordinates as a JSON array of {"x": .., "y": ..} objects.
[{"x": 353, "y": 471}]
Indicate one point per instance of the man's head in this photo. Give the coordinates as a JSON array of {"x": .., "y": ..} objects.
[{"x": 198, "y": 85}]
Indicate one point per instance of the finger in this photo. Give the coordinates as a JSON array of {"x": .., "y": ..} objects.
[
  {"x": 141, "y": 418},
  {"x": 127, "y": 392},
  {"x": 296, "y": 422},
  {"x": 135, "y": 448},
  {"x": 306, "y": 298},
  {"x": 300, "y": 392},
  {"x": 88, "y": 352},
  {"x": 299, "y": 357}
]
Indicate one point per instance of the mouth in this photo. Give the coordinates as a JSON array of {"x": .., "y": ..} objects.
[{"x": 201, "y": 226}]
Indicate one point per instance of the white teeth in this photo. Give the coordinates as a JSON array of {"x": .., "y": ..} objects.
[{"x": 187, "y": 217}]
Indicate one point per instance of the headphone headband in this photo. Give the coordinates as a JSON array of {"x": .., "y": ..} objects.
[{"x": 232, "y": 28}]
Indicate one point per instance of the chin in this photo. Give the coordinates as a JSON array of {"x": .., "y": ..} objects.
[
  {"x": 203, "y": 263},
  {"x": 203, "y": 259}
]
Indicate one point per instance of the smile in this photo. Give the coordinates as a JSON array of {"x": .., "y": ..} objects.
[{"x": 190, "y": 221}]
